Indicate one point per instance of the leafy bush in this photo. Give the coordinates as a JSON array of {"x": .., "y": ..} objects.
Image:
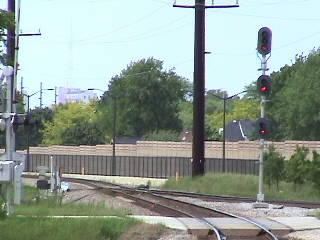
[
  {"x": 273, "y": 166},
  {"x": 296, "y": 169},
  {"x": 314, "y": 170},
  {"x": 162, "y": 135}
]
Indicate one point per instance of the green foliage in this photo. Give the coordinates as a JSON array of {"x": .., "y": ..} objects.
[
  {"x": 65, "y": 228},
  {"x": 240, "y": 185},
  {"x": 38, "y": 117},
  {"x": 214, "y": 101},
  {"x": 71, "y": 117},
  {"x": 83, "y": 133},
  {"x": 186, "y": 114},
  {"x": 273, "y": 170},
  {"x": 295, "y": 95},
  {"x": 314, "y": 170},
  {"x": 296, "y": 169},
  {"x": 162, "y": 135},
  {"x": 112, "y": 229},
  {"x": 236, "y": 109},
  {"x": 144, "y": 98},
  {"x": 6, "y": 21},
  {"x": 245, "y": 108},
  {"x": 212, "y": 130}
]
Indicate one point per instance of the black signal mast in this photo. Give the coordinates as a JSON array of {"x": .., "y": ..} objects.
[{"x": 198, "y": 144}]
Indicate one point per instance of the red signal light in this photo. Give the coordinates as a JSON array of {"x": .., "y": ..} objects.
[
  {"x": 263, "y": 47},
  {"x": 264, "y": 85},
  {"x": 263, "y": 128},
  {"x": 264, "y": 41},
  {"x": 262, "y": 131}
]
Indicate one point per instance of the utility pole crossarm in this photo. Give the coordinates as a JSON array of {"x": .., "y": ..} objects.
[
  {"x": 29, "y": 34},
  {"x": 212, "y": 6}
]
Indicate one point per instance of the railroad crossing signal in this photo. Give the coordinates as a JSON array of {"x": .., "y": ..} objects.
[
  {"x": 263, "y": 127},
  {"x": 264, "y": 41},
  {"x": 264, "y": 85}
]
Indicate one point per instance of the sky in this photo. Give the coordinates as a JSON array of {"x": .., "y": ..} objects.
[{"x": 84, "y": 43}]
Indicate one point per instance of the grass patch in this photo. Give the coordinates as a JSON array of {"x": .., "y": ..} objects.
[
  {"x": 241, "y": 185},
  {"x": 31, "y": 228},
  {"x": 36, "y": 220},
  {"x": 51, "y": 207}
]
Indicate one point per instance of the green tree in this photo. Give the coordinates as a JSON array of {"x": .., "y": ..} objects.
[
  {"x": 296, "y": 169},
  {"x": 6, "y": 21},
  {"x": 162, "y": 135},
  {"x": 67, "y": 116},
  {"x": 186, "y": 114},
  {"x": 144, "y": 98},
  {"x": 273, "y": 166},
  {"x": 214, "y": 101},
  {"x": 236, "y": 109},
  {"x": 37, "y": 118},
  {"x": 294, "y": 102},
  {"x": 83, "y": 133},
  {"x": 314, "y": 170},
  {"x": 244, "y": 108}
]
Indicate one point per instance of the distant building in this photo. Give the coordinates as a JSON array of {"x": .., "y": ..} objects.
[
  {"x": 238, "y": 130},
  {"x": 75, "y": 95}
]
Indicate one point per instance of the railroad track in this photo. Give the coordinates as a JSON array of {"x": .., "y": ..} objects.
[
  {"x": 163, "y": 202},
  {"x": 237, "y": 199},
  {"x": 198, "y": 219}
]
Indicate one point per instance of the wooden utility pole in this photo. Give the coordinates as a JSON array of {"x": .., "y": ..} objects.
[
  {"x": 198, "y": 144},
  {"x": 13, "y": 35}
]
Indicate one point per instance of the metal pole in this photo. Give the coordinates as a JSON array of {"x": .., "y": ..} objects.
[
  {"x": 224, "y": 126},
  {"x": 55, "y": 95},
  {"x": 9, "y": 138},
  {"x": 224, "y": 137},
  {"x": 199, "y": 90},
  {"x": 28, "y": 135},
  {"x": 260, "y": 195},
  {"x": 40, "y": 95},
  {"x": 9, "y": 144},
  {"x": 114, "y": 138}
]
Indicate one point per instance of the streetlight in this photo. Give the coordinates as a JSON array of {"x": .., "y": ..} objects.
[
  {"x": 114, "y": 132},
  {"x": 28, "y": 115},
  {"x": 224, "y": 126}
]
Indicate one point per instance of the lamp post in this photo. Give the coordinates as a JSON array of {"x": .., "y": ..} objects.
[
  {"x": 41, "y": 91},
  {"x": 113, "y": 169},
  {"x": 28, "y": 127},
  {"x": 224, "y": 126}
]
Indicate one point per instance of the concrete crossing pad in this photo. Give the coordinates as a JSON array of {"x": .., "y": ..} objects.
[
  {"x": 298, "y": 223},
  {"x": 234, "y": 227}
]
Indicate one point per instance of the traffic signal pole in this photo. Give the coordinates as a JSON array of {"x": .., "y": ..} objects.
[
  {"x": 260, "y": 195},
  {"x": 264, "y": 88}
]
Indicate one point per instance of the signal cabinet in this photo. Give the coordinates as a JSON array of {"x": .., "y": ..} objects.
[{"x": 6, "y": 171}]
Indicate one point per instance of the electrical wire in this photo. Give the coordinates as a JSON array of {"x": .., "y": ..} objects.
[
  {"x": 123, "y": 27},
  {"x": 279, "y": 18}
]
